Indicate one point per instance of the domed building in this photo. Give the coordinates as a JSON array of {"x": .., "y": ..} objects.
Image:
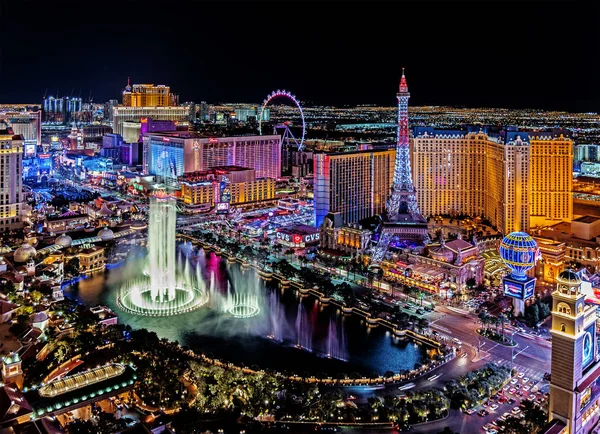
[
  {"x": 24, "y": 253},
  {"x": 569, "y": 277},
  {"x": 106, "y": 234},
  {"x": 63, "y": 240},
  {"x": 138, "y": 225},
  {"x": 444, "y": 268},
  {"x": 441, "y": 252}
]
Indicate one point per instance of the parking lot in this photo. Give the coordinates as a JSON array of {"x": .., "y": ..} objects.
[{"x": 509, "y": 402}]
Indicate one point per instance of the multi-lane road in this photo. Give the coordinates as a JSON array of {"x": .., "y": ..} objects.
[{"x": 531, "y": 357}]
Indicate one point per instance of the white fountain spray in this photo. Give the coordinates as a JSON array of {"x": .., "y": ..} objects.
[{"x": 168, "y": 286}]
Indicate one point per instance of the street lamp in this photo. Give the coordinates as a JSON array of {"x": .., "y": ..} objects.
[{"x": 512, "y": 352}]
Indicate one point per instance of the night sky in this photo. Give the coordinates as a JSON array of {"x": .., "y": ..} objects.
[{"x": 505, "y": 54}]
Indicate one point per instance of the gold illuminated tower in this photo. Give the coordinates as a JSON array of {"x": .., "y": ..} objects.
[
  {"x": 147, "y": 95},
  {"x": 575, "y": 367}
]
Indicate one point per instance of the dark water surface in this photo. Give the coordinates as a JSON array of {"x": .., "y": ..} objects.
[{"x": 283, "y": 312}]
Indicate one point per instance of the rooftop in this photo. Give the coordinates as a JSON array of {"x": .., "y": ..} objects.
[
  {"x": 75, "y": 391},
  {"x": 12, "y": 403},
  {"x": 299, "y": 229},
  {"x": 587, "y": 219},
  {"x": 231, "y": 168},
  {"x": 201, "y": 135}
]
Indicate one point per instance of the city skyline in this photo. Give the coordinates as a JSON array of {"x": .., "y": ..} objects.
[{"x": 354, "y": 60}]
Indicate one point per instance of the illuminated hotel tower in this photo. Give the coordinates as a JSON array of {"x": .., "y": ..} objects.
[
  {"x": 499, "y": 173},
  {"x": 574, "y": 398},
  {"x": 11, "y": 185},
  {"x": 403, "y": 219}
]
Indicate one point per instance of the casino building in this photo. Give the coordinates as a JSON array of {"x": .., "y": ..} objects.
[{"x": 169, "y": 155}]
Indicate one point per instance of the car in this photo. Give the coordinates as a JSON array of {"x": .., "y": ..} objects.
[
  {"x": 487, "y": 426},
  {"x": 521, "y": 374},
  {"x": 525, "y": 388},
  {"x": 517, "y": 386},
  {"x": 514, "y": 381},
  {"x": 511, "y": 401},
  {"x": 502, "y": 400},
  {"x": 492, "y": 431},
  {"x": 494, "y": 407},
  {"x": 519, "y": 393},
  {"x": 525, "y": 380},
  {"x": 483, "y": 412},
  {"x": 419, "y": 311},
  {"x": 407, "y": 306},
  {"x": 512, "y": 391},
  {"x": 456, "y": 341},
  {"x": 506, "y": 388},
  {"x": 469, "y": 411},
  {"x": 486, "y": 403},
  {"x": 515, "y": 410}
]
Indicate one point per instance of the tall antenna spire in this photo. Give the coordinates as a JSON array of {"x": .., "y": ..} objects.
[{"x": 403, "y": 85}]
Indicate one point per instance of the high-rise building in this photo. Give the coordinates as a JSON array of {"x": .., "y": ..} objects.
[
  {"x": 499, "y": 174},
  {"x": 108, "y": 109},
  {"x": 169, "y": 155},
  {"x": 585, "y": 152},
  {"x": 574, "y": 399},
  {"x": 353, "y": 184},
  {"x": 11, "y": 179},
  {"x": 62, "y": 110},
  {"x": 203, "y": 112},
  {"x": 27, "y": 123},
  {"x": 122, "y": 114},
  {"x": 149, "y": 95},
  {"x": 402, "y": 219}
]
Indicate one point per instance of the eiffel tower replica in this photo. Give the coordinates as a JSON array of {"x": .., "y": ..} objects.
[{"x": 402, "y": 219}]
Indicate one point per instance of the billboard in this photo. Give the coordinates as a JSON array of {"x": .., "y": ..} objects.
[
  {"x": 298, "y": 238},
  {"x": 166, "y": 161},
  {"x": 521, "y": 289},
  {"x": 29, "y": 150},
  {"x": 513, "y": 289},
  {"x": 224, "y": 192},
  {"x": 588, "y": 346},
  {"x": 222, "y": 207},
  {"x": 529, "y": 289}
]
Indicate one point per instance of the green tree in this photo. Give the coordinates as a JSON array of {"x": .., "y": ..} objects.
[
  {"x": 36, "y": 296},
  {"x": 72, "y": 267},
  {"x": 532, "y": 315}
]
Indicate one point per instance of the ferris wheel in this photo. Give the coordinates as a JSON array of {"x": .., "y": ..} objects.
[{"x": 287, "y": 135}]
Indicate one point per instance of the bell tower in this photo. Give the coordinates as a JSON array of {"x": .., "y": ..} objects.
[{"x": 575, "y": 366}]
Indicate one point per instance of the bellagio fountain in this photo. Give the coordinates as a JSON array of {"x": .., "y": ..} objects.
[{"x": 168, "y": 285}]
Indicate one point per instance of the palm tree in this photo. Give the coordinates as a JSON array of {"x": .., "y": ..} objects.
[
  {"x": 502, "y": 319},
  {"x": 484, "y": 319}
]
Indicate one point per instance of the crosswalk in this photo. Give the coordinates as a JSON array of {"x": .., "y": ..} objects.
[{"x": 532, "y": 373}]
